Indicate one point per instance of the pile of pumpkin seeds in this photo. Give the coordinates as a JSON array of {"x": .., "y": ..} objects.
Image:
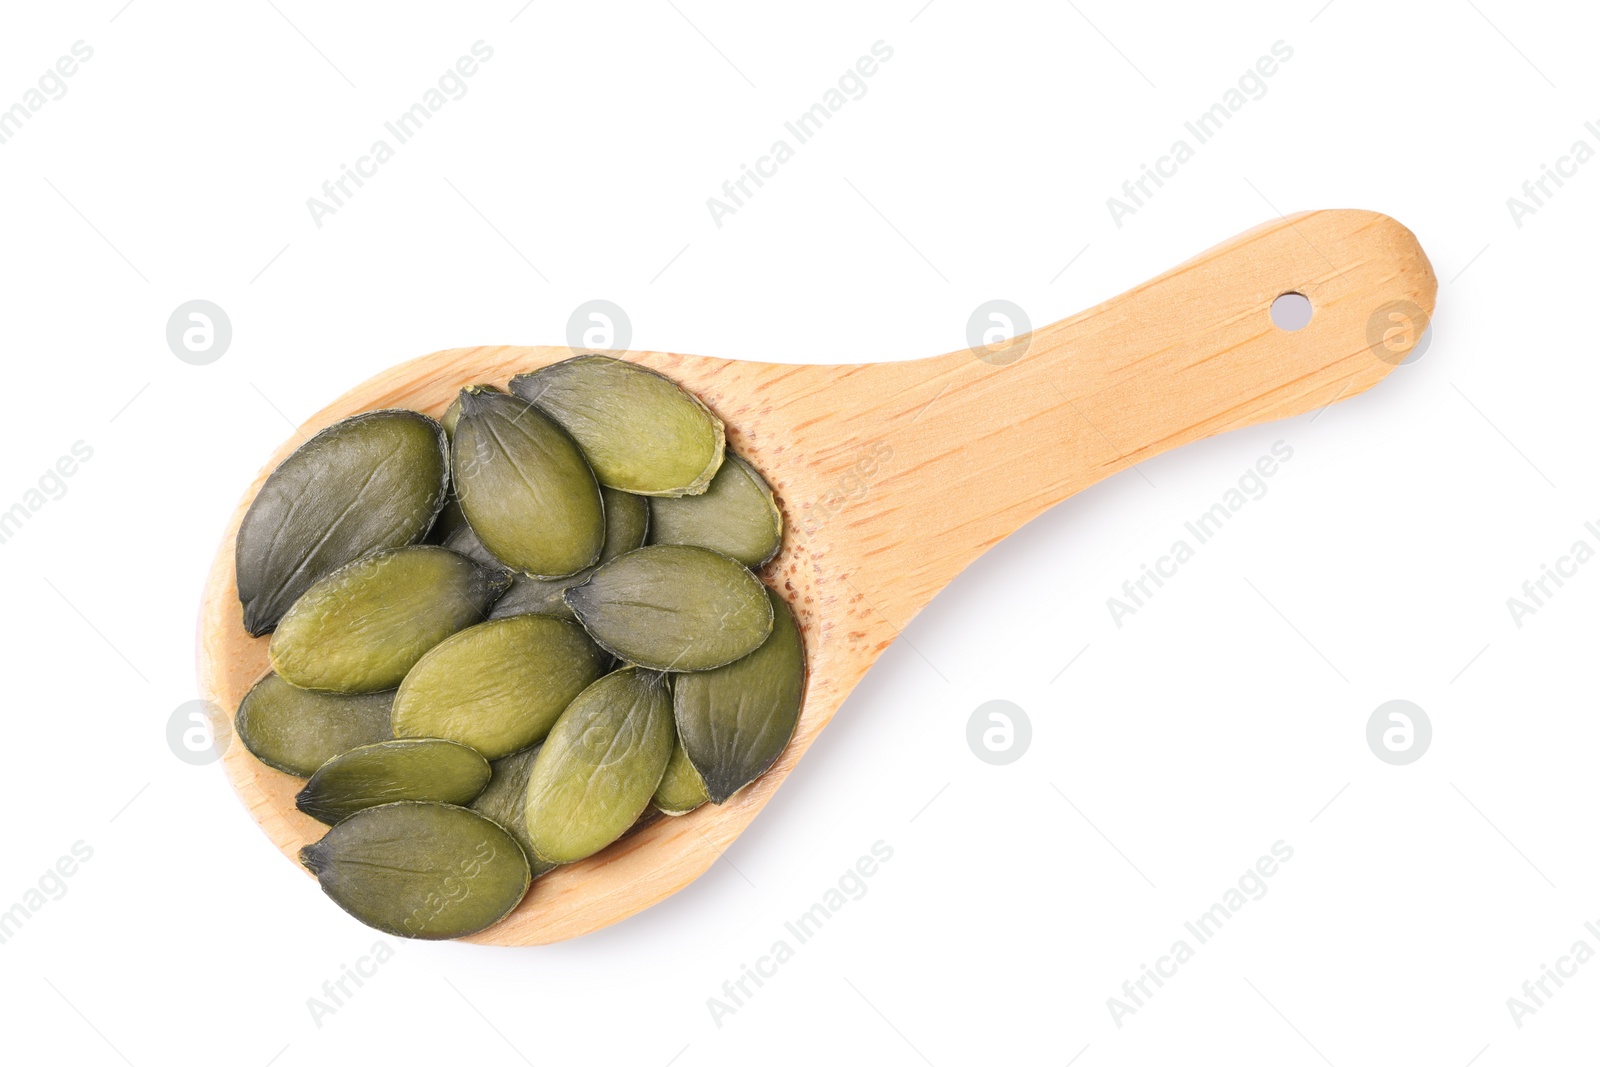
[{"x": 502, "y": 639}]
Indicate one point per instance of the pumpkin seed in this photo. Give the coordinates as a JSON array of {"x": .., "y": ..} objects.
[
  {"x": 640, "y": 431},
  {"x": 464, "y": 542},
  {"x": 674, "y": 607},
  {"x": 733, "y": 721},
  {"x": 452, "y": 414},
  {"x": 505, "y": 800},
  {"x": 449, "y": 521},
  {"x": 372, "y": 481},
  {"x": 361, "y": 628},
  {"x": 524, "y": 486},
  {"x": 627, "y": 520},
  {"x": 498, "y": 686},
  {"x": 681, "y": 789},
  {"x": 408, "y": 769},
  {"x": 423, "y": 870},
  {"x": 600, "y": 765},
  {"x": 298, "y": 730},
  {"x": 736, "y": 515}
]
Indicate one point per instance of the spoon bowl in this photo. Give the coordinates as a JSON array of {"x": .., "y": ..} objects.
[{"x": 892, "y": 477}]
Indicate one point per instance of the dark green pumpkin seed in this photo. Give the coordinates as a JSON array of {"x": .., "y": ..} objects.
[
  {"x": 524, "y": 486},
  {"x": 498, "y": 686},
  {"x": 627, "y": 521},
  {"x": 452, "y": 414},
  {"x": 372, "y": 481},
  {"x": 449, "y": 521},
  {"x": 409, "y": 769},
  {"x": 360, "y": 629},
  {"x": 674, "y": 607},
  {"x": 505, "y": 800},
  {"x": 298, "y": 730},
  {"x": 733, "y": 721},
  {"x": 681, "y": 789},
  {"x": 421, "y": 870},
  {"x": 600, "y": 765},
  {"x": 736, "y": 515},
  {"x": 641, "y": 432}
]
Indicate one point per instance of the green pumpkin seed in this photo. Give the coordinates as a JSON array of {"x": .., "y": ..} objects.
[
  {"x": 452, "y": 414},
  {"x": 524, "y": 486},
  {"x": 409, "y": 769},
  {"x": 372, "y": 481},
  {"x": 360, "y": 629},
  {"x": 681, "y": 789},
  {"x": 421, "y": 870},
  {"x": 498, "y": 686},
  {"x": 464, "y": 542},
  {"x": 450, "y": 519},
  {"x": 505, "y": 800},
  {"x": 627, "y": 521},
  {"x": 734, "y": 721},
  {"x": 640, "y": 431},
  {"x": 600, "y": 765},
  {"x": 674, "y": 607},
  {"x": 736, "y": 515},
  {"x": 298, "y": 730}
]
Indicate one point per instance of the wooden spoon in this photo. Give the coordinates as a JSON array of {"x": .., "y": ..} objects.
[{"x": 894, "y": 476}]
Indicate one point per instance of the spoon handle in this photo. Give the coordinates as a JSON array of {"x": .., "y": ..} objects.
[{"x": 964, "y": 448}]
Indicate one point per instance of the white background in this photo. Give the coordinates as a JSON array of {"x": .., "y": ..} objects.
[{"x": 1225, "y": 716}]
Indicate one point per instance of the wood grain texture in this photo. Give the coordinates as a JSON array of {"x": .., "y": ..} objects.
[{"x": 894, "y": 476}]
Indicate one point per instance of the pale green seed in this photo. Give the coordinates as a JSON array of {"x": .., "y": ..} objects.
[
  {"x": 360, "y": 629},
  {"x": 498, "y": 686},
  {"x": 627, "y": 521},
  {"x": 298, "y": 730},
  {"x": 408, "y": 769},
  {"x": 505, "y": 800},
  {"x": 736, "y": 516},
  {"x": 422, "y": 870},
  {"x": 600, "y": 765},
  {"x": 524, "y": 486},
  {"x": 681, "y": 789},
  {"x": 735, "y": 720},
  {"x": 369, "y": 482},
  {"x": 640, "y": 430},
  {"x": 674, "y": 607}
]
